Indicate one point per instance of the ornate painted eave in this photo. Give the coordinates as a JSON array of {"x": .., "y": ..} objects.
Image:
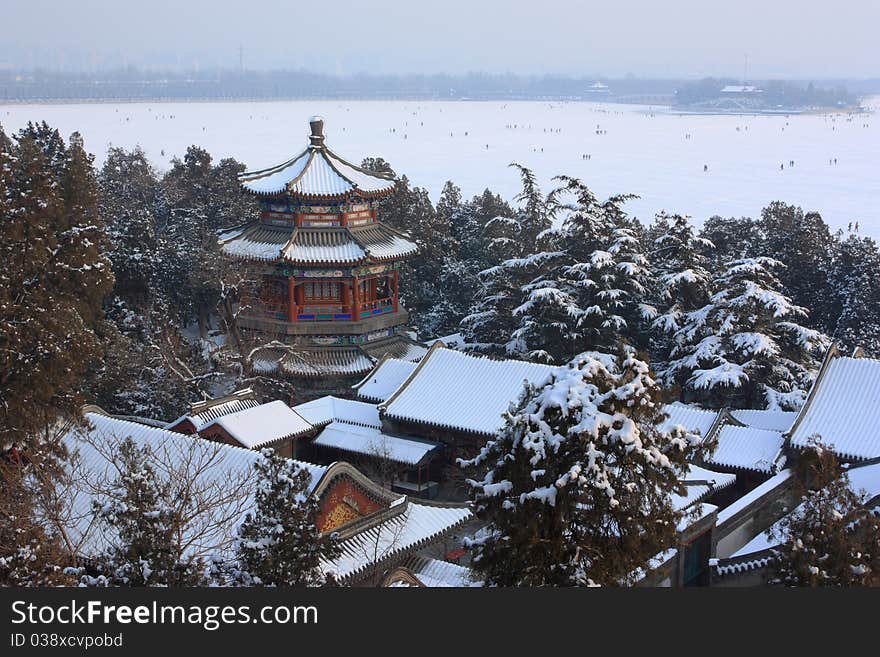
[{"x": 318, "y": 174}]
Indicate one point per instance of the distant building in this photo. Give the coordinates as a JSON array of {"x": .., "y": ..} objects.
[
  {"x": 741, "y": 89},
  {"x": 597, "y": 88}
]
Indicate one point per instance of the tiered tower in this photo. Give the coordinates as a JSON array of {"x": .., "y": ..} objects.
[{"x": 325, "y": 270}]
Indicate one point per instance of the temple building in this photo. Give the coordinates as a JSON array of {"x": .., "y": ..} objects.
[{"x": 324, "y": 271}]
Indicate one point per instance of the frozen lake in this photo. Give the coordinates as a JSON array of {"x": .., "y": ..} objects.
[{"x": 632, "y": 149}]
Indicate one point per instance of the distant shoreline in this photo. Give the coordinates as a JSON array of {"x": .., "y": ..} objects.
[{"x": 666, "y": 107}]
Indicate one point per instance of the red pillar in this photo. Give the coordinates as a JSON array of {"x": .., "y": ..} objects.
[
  {"x": 356, "y": 302},
  {"x": 346, "y": 295},
  {"x": 291, "y": 300},
  {"x": 396, "y": 291}
]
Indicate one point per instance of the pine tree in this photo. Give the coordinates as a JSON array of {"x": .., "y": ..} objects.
[
  {"x": 128, "y": 197},
  {"x": 831, "y": 538},
  {"x": 853, "y": 279},
  {"x": 491, "y": 326},
  {"x": 745, "y": 348},
  {"x": 53, "y": 282},
  {"x": 606, "y": 271},
  {"x": 279, "y": 543},
  {"x": 576, "y": 488},
  {"x": 680, "y": 279},
  {"x": 142, "y": 526},
  {"x": 32, "y": 552},
  {"x": 806, "y": 246},
  {"x": 197, "y": 200},
  {"x": 733, "y": 238}
]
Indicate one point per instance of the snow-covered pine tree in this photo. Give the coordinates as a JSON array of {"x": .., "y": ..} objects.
[
  {"x": 733, "y": 238},
  {"x": 519, "y": 310},
  {"x": 831, "y": 538},
  {"x": 576, "y": 488},
  {"x": 547, "y": 317},
  {"x": 279, "y": 543},
  {"x": 606, "y": 271},
  {"x": 490, "y": 326},
  {"x": 745, "y": 348},
  {"x": 536, "y": 212},
  {"x": 803, "y": 242},
  {"x": 853, "y": 279},
  {"x": 680, "y": 279},
  {"x": 128, "y": 190},
  {"x": 142, "y": 527}
]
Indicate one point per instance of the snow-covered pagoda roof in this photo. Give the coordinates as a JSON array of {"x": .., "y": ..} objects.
[
  {"x": 458, "y": 391},
  {"x": 374, "y": 242},
  {"x": 388, "y": 375},
  {"x": 318, "y": 173},
  {"x": 311, "y": 362},
  {"x": 748, "y": 448},
  {"x": 374, "y": 443},
  {"x": 316, "y": 362},
  {"x": 843, "y": 408}
]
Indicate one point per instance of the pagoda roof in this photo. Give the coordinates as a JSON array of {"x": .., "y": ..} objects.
[
  {"x": 318, "y": 173},
  {"x": 373, "y": 242},
  {"x": 319, "y": 361}
]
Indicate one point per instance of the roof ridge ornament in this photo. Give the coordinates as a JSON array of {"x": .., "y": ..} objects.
[{"x": 316, "y": 139}]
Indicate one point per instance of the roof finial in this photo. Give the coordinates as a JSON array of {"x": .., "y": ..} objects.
[{"x": 316, "y": 123}]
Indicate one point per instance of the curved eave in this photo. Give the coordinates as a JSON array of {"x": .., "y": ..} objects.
[
  {"x": 328, "y": 157},
  {"x": 321, "y": 263}
]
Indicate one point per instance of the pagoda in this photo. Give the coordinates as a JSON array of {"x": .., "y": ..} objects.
[{"x": 324, "y": 280}]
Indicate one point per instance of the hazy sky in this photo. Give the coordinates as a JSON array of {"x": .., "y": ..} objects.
[{"x": 782, "y": 38}]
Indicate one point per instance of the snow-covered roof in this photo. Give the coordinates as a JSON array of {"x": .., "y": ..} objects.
[
  {"x": 865, "y": 478},
  {"x": 324, "y": 410},
  {"x": 385, "y": 379},
  {"x": 221, "y": 468},
  {"x": 317, "y": 172},
  {"x": 416, "y": 524},
  {"x": 437, "y": 573},
  {"x": 398, "y": 347},
  {"x": 374, "y": 242},
  {"x": 699, "y": 484},
  {"x": 770, "y": 420},
  {"x": 747, "y": 448},
  {"x": 210, "y": 411},
  {"x": 843, "y": 409},
  {"x": 263, "y": 424},
  {"x": 325, "y": 362},
  {"x": 693, "y": 418},
  {"x": 372, "y": 442},
  {"x": 459, "y": 391},
  {"x": 755, "y": 553}
]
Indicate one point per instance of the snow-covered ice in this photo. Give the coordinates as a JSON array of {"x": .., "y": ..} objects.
[{"x": 634, "y": 149}]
